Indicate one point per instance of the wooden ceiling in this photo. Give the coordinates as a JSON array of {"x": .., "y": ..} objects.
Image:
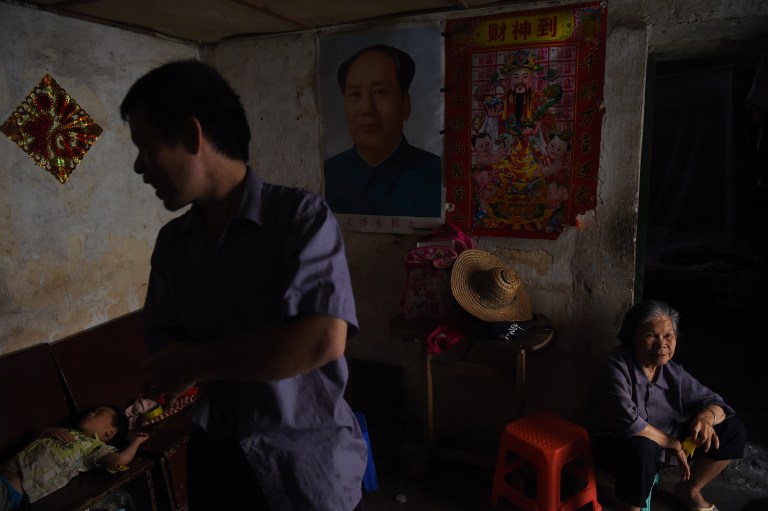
[{"x": 211, "y": 21}]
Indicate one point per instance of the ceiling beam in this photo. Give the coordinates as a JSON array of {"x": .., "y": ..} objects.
[
  {"x": 62, "y": 9},
  {"x": 65, "y": 4},
  {"x": 271, "y": 12}
]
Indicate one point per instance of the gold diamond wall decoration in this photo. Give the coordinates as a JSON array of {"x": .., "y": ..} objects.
[{"x": 52, "y": 129}]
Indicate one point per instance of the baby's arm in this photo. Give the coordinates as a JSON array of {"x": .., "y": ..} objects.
[{"x": 126, "y": 455}]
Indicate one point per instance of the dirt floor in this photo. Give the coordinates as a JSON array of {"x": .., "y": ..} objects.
[{"x": 450, "y": 486}]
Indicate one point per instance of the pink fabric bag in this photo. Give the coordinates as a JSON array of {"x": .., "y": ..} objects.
[{"x": 427, "y": 292}]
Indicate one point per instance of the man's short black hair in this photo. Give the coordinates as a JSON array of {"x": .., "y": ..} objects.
[
  {"x": 405, "y": 67},
  {"x": 173, "y": 92}
]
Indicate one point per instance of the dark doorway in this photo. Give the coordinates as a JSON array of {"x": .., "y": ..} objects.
[{"x": 705, "y": 214}]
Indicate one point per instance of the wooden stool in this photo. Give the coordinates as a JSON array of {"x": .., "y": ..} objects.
[{"x": 550, "y": 444}]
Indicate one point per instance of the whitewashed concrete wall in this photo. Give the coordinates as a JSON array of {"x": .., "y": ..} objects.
[
  {"x": 584, "y": 281},
  {"x": 77, "y": 254}
]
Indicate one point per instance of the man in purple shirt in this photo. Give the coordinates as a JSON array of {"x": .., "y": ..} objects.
[
  {"x": 250, "y": 298},
  {"x": 645, "y": 405}
]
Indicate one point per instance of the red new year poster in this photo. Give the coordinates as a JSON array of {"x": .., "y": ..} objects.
[{"x": 523, "y": 115}]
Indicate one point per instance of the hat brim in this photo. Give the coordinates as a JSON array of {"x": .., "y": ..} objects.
[{"x": 470, "y": 262}]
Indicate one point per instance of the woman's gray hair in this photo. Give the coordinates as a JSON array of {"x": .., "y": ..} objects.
[{"x": 642, "y": 313}]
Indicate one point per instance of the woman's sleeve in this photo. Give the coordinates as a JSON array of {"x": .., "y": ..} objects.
[{"x": 617, "y": 399}]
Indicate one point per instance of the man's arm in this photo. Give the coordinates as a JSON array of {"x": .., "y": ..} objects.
[
  {"x": 273, "y": 353},
  {"x": 58, "y": 433}
]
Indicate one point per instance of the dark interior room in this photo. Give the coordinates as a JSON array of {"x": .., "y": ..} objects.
[{"x": 705, "y": 208}]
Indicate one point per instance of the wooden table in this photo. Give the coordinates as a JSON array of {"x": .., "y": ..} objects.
[{"x": 504, "y": 355}]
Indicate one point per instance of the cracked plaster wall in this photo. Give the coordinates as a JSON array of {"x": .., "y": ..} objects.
[
  {"x": 584, "y": 281},
  {"x": 77, "y": 254}
]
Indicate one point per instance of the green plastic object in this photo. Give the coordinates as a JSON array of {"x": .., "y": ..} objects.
[{"x": 656, "y": 481}]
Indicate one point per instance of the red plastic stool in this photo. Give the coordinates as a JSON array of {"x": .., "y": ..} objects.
[{"x": 550, "y": 444}]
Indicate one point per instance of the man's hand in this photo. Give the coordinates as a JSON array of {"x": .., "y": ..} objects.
[
  {"x": 172, "y": 371},
  {"x": 61, "y": 434}
]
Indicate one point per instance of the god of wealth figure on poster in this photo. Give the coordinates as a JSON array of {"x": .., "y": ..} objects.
[{"x": 523, "y": 116}]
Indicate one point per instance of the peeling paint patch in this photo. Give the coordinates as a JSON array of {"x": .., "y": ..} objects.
[
  {"x": 539, "y": 260},
  {"x": 49, "y": 297},
  {"x": 586, "y": 221},
  {"x": 622, "y": 228},
  {"x": 305, "y": 85}
]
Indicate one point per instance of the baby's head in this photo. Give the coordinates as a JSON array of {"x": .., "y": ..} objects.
[
  {"x": 557, "y": 146},
  {"x": 481, "y": 142},
  {"x": 108, "y": 422}
]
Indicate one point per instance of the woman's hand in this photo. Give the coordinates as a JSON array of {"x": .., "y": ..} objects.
[
  {"x": 673, "y": 448},
  {"x": 703, "y": 430},
  {"x": 682, "y": 461}
]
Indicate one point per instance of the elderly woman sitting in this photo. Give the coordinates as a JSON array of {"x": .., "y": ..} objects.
[{"x": 645, "y": 406}]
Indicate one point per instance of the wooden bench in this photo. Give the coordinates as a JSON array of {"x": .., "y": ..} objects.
[
  {"x": 33, "y": 399},
  {"x": 105, "y": 364},
  {"x": 48, "y": 384}
]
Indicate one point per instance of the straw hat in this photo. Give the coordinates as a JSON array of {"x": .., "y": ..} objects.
[{"x": 489, "y": 289}]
